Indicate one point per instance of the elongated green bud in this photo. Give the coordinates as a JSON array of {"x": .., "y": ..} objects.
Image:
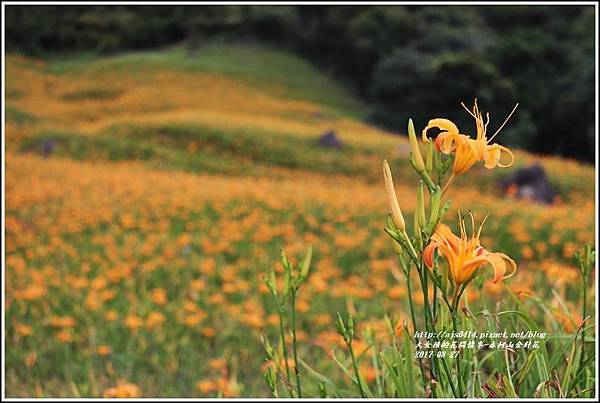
[
  {"x": 270, "y": 282},
  {"x": 284, "y": 260},
  {"x": 414, "y": 145},
  {"x": 350, "y": 327},
  {"x": 341, "y": 326},
  {"x": 287, "y": 281},
  {"x": 397, "y": 217},
  {"x": 436, "y": 198},
  {"x": 416, "y": 224},
  {"x": 429, "y": 161},
  {"x": 306, "y": 263},
  {"x": 420, "y": 211},
  {"x": 421, "y": 203}
]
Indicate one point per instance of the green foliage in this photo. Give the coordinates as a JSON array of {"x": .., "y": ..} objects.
[
  {"x": 258, "y": 65},
  {"x": 19, "y": 117},
  {"x": 214, "y": 150},
  {"x": 285, "y": 301}
]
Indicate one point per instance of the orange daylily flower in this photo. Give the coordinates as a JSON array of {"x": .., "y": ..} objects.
[
  {"x": 468, "y": 151},
  {"x": 465, "y": 256}
]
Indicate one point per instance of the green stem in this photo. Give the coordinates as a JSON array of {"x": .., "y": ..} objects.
[
  {"x": 428, "y": 322},
  {"x": 430, "y": 327},
  {"x": 583, "y": 318},
  {"x": 434, "y": 303},
  {"x": 447, "y": 371},
  {"x": 427, "y": 179},
  {"x": 296, "y": 370},
  {"x": 457, "y": 359},
  {"x": 412, "y": 314},
  {"x": 412, "y": 251},
  {"x": 285, "y": 355},
  {"x": 360, "y": 387},
  {"x": 447, "y": 185}
]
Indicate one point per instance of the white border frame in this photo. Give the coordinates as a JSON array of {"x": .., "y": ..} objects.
[{"x": 469, "y": 3}]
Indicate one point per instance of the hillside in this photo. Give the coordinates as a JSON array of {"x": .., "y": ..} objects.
[{"x": 148, "y": 193}]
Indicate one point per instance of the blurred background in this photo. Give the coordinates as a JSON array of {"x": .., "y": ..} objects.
[
  {"x": 396, "y": 58},
  {"x": 159, "y": 157}
]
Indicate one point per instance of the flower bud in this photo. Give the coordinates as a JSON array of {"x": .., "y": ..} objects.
[
  {"x": 419, "y": 219},
  {"x": 306, "y": 263},
  {"x": 421, "y": 204},
  {"x": 429, "y": 159},
  {"x": 397, "y": 217},
  {"x": 416, "y": 225},
  {"x": 435, "y": 207},
  {"x": 414, "y": 145}
]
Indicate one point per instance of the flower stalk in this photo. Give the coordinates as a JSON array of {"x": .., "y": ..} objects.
[
  {"x": 293, "y": 279},
  {"x": 463, "y": 256}
]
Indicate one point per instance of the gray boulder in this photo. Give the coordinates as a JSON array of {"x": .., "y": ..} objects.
[
  {"x": 529, "y": 183},
  {"x": 330, "y": 139}
]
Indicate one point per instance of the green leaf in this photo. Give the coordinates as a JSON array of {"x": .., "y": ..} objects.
[
  {"x": 320, "y": 377},
  {"x": 408, "y": 356},
  {"x": 352, "y": 377},
  {"x": 394, "y": 368},
  {"x": 522, "y": 374}
]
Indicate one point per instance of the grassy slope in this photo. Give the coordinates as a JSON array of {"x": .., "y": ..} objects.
[
  {"x": 230, "y": 112},
  {"x": 251, "y": 63},
  {"x": 279, "y": 74}
]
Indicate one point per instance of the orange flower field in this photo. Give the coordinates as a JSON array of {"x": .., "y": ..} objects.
[{"x": 148, "y": 195}]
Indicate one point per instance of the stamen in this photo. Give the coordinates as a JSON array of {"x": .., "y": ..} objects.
[
  {"x": 481, "y": 225},
  {"x": 461, "y": 223},
  {"x": 487, "y": 122},
  {"x": 468, "y": 111},
  {"x": 472, "y": 222},
  {"x": 505, "y": 121}
]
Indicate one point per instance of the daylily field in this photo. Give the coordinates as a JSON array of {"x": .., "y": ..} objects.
[{"x": 148, "y": 194}]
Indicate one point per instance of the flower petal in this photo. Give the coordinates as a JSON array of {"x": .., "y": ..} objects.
[
  {"x": 442, "y": 124},
  {"x": 446, "y": 142},
  {"x": 428, "y": 253},
  {"x": 493, "y": 156},
  {"x": 497, "y": 261},
  {"x": 443, "y": 235},
  {"x": 467, "y": 154},
  {"x": 511, "y": 155}
]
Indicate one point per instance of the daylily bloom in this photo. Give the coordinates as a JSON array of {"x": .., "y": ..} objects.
[
  {"x": 468, "y": 151},
  {"x": 465, "y": 256}
]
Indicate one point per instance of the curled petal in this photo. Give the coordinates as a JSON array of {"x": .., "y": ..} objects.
[
  {"x": 511, "y": 263},
  {"x": 446, "y": 142},
  {"x": 510, "y": 154},
  {"x": 498, "y": 262},
  {"x": 493, "y": 156},
  {"x": 442, "y": 124},
  {"x": 498, "y": 265},
  {"x": 443, "y": 235},
  {"x": 428, "y": 254}
]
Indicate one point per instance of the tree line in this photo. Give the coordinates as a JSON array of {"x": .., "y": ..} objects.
[{"x": 405, "y": 61}]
